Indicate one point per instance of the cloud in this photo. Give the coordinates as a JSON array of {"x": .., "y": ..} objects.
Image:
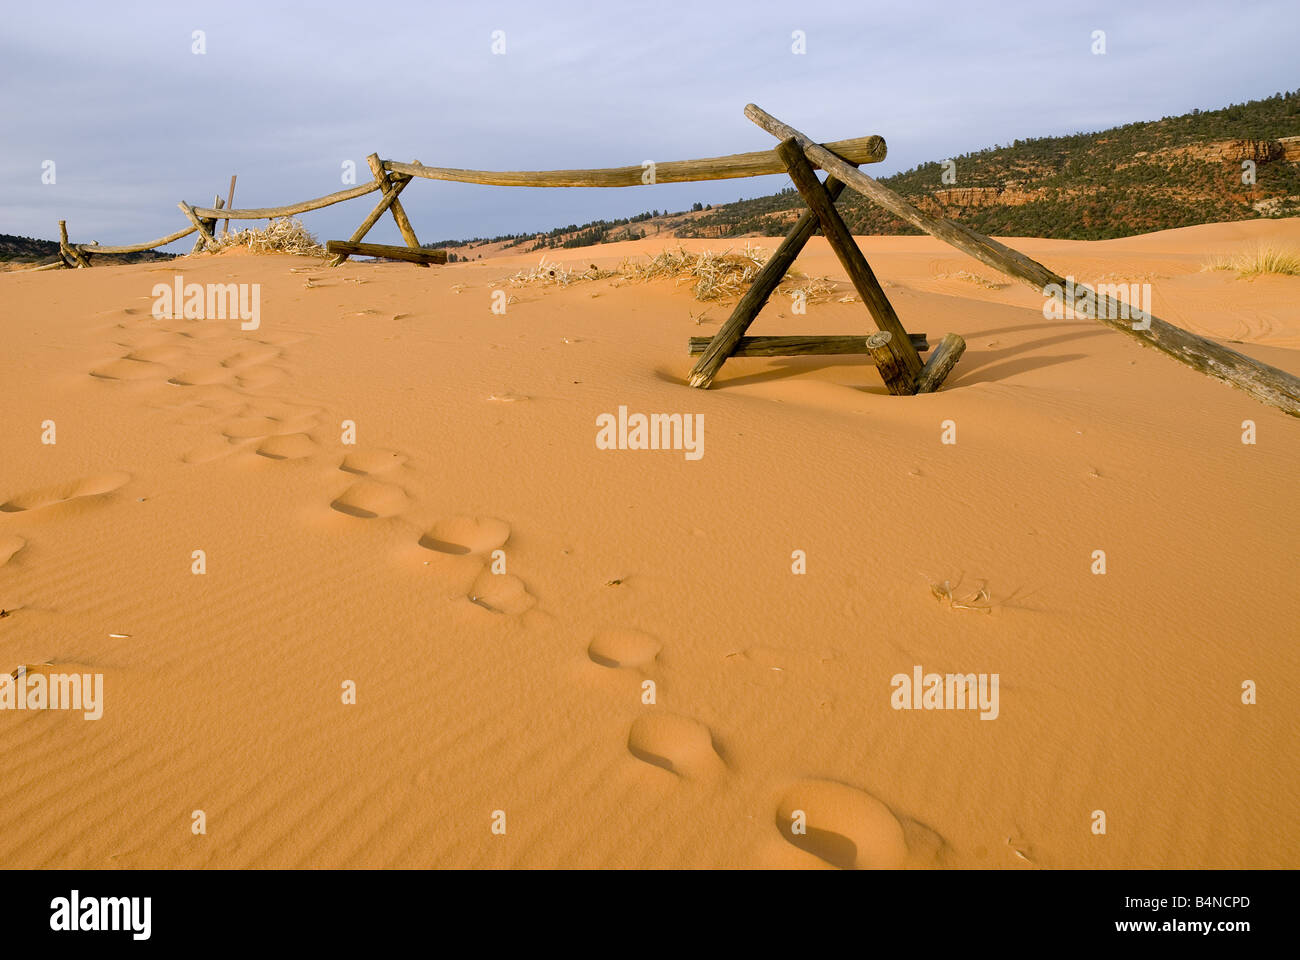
[{"x": 286, "y": 92}]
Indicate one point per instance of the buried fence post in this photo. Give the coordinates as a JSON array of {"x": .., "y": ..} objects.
[
  {"x": 944, "y": 358},
  {"x": 230, "y": 200},
  {"x": 891, "y": 368}
]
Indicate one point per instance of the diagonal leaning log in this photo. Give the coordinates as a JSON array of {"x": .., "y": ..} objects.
[
  {"x": 724, "y": 342},
  {"x": 855, "y": 265},
  {"x": 1269, "y": 385}
]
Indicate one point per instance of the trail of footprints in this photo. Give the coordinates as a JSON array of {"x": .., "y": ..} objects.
[
  {"x": 186, "y": 353},
  {"x": 839, "y": 824}
]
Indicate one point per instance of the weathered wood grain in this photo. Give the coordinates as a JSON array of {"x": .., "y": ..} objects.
[
  {"x": 944, "y": 358},
  {"x": 799, "y": 346},
  {"x": 897, "y": 380}
]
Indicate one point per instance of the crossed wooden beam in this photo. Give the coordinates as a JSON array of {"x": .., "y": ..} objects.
[
  {"x": 391, "y": 184},
  {"x": 892, "y": 349}
]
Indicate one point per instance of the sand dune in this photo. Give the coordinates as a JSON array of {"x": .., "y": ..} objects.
[{"x": 500, "y": 591}]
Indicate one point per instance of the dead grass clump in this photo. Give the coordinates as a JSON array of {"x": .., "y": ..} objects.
[
  {"x": 974, "y": 278},
  {"x": 713, "y": 276},
  {"x": 1260, "y": 260},
  {"x": 548, "y": 274},
  {"x": 285, "y": 235}
]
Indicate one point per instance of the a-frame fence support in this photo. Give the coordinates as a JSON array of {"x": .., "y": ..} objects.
[
  {"x": 1268, "y": 384},
  {"x": 893, "y": 350},
  {"x": 391, "y": 184}
]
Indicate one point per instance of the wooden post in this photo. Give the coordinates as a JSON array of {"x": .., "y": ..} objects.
[
  {"x": 724, "y": 342},
  {"x": 851, "y": 258},
  {"x": 67, "y": 250},
  {"x": 391, "y": 187},
  {"x": 890, "y": 366},
  {"x": 944, "y": 358},
  {"x": 204, "y": 233},
  {"x": 230, "y": 202},
  {"x": 1265, "y": 383}
]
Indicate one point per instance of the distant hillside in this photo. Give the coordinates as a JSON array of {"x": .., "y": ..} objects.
[
  {"x": 27, "y": 250},
  {"x": 1137, "y": 178}
]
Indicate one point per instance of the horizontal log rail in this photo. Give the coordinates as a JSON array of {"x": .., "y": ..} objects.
[
  {"x": 805, "y": 346},
  {"x": 271, "y": 213},
  {"x": 350, "y": 249},
  {"x": 390, "y": 176},
  {"x": 757, "y": 164}
]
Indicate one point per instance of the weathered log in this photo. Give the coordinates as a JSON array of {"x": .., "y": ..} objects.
[
  {"x": 387, "y": 252},
  {"x": 1265, "y": 383},
  {"x": 799, "y": 346},
  {"x": 271, "y": 213},
  {"x": 724, "y": 342},
  {"x": 944, "y": 358},
  {"x": 192, "y": 213},
  {"x": 59, "y": 264},
  {"x": 757, "y": 164},
  {"x": 897, "y": 380},
  {"x": 137, "y": 247},
  {"x": 851, "y": 258},
  {"x": 67, "y": 250}
]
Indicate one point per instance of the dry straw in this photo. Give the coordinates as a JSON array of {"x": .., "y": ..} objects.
[
  {"x": 1260, "y": 260},
  {"x": 285, "y": 235},
  {"x": 712, "y": 275}
]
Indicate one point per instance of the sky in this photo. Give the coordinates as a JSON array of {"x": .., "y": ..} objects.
[{"x": 285, "y": 93}]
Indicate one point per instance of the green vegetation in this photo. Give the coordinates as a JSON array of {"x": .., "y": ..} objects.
[{"x": 1155, "y": 175}]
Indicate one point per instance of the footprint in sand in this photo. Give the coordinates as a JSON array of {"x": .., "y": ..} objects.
[
  {"x": 256, "y": 378},
  {"x": 127, "y": 369},
  {"x": 250, "y": 428},
  {"x": 9, "y": 546},
  {"x": 159, "y": 353},
  {"x": 62, "y": 493},
  {"x": 367, "y": 462},
  {"x": 678, "y": 744},
  {"x": 624, "y": 648},
  {"x": 251, "y": 356},
  {"x": 201, "y": 376},
  {"x": 371, "y": 499},
  {"x": 290, "y": 446},
  {"x": 845, "y": 827},
  {"x": 213, "y": 449},
  {"x": 466, "y": 535},
  {"x": 501, "y": 593}
]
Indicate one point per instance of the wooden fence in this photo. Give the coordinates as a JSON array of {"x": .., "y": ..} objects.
[{"x": 894, "y": 350}]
